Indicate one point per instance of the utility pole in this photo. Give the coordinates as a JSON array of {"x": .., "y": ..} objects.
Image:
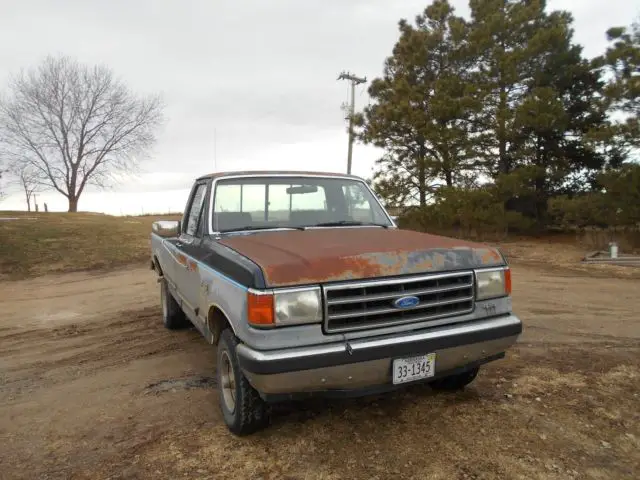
[
  {"x": 354, "y": 81},
  {"x": 215, "y": 150}
]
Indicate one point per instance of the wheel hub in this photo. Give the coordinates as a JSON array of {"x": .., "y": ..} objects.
[
  {"x": 163, "y": 300},
  {"x": 227, "y": 382}
]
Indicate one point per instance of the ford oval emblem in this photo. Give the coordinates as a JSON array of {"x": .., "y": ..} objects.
[{"x": 406, "y": 302}]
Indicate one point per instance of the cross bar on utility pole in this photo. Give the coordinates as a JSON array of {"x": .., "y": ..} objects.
[{"x": 354, "y": 81}]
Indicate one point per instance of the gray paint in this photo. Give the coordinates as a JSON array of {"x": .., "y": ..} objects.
[{"x": 231, "y": 299}]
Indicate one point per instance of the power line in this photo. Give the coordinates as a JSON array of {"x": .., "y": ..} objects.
[{"x": 354, "y": 80}]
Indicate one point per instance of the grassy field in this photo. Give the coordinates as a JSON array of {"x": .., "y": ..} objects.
[
  {"x": 41, "y": 243},
  {"x": 44, "y": 243}
]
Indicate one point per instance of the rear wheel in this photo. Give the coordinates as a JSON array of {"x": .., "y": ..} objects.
[
  {"x": 243, "y": 410},
  {"x": 455, "y": 382},
  {"x": 172, "y": 315}
]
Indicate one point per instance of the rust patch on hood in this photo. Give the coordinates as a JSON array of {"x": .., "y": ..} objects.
[{"x": 328, "y": 255}]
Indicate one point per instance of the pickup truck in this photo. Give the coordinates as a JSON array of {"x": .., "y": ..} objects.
[{"x": 307, "y": 287}]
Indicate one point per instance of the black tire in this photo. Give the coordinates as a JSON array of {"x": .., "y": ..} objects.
[
  {"x": 245, "y": 412},
  {"x": 172, "y": 315},
  {"x": 455, "y": 382}
]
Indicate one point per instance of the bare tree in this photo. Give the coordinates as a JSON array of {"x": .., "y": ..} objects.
[
  {"x": 25, "y": 176},
  {"x": 75, "y": 125},
  {"x": 2, "y": 194}
]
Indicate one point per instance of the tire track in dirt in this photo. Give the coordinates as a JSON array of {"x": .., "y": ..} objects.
[
  {"x": 92, "y": 386},
  {"x": 80, "y": 350}
]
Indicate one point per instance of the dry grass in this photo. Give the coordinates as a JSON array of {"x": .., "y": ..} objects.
[
  {"x": 628, "y": 239},
  {"x": 41, "y": 243},
  {"x": 524, "y": 418},
  {"x": 564, "y": 252}
]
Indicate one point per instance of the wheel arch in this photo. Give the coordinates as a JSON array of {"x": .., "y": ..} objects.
[
  {"x": 155, "y": 266},
  {"x": 217, "y": 321}
]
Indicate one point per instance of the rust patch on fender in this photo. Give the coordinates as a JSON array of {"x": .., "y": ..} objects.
[{"x": 320, "y": 256}]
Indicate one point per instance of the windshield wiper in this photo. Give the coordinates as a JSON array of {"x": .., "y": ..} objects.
[
  {"x": 259, "y": 227},
  {"x": 350, "y": 223}
]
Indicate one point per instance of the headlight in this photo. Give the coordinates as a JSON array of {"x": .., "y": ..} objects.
[
  {"x": 285, "y": 307},
  {"x": 298, "y": 306},
  {"x": 493, "y": 283}
]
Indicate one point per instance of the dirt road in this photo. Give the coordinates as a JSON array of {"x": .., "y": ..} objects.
[{"x": 92, "y": 386}]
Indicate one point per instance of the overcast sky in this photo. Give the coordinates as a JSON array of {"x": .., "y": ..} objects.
[{"x": 261, "y": 74}]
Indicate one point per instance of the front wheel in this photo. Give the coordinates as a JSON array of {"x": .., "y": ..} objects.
[
  {"x": 172, "y": 315},
  {"x": 243, "y": 410},
  {"x": 455, "y": 382}
]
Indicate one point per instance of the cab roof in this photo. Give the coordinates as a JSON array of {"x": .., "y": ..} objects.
[{"x": 276, "y": 173}]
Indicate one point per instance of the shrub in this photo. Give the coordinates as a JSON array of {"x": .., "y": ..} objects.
[{"x": 470, "y": 213}]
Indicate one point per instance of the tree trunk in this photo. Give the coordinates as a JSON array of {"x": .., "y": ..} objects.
[
  {"x": 540, "y": 182},
  {"x": 73, "y": 204},
  {"x": 28, "y": 202},
  {"x": 541, "y": 200},
  {"x": 74, "y": 195},
  {"x": 503, "y": 165},
  {"x": 422, "y": 180}
]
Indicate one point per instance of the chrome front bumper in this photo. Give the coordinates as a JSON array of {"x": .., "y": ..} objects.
[{"x": 366, "y": 363}]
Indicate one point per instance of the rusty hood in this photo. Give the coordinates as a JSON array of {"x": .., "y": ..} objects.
[{"x": 328, "y": 255}]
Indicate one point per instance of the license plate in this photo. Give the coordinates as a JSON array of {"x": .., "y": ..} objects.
[{"x": 414, "y": 368}]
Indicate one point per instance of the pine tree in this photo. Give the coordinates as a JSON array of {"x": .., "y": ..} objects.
[
  {"x": 621, "y": 62},
  {"x": 560, "y": 110},
  {"x": 541, "y": 101},
  {"x": 500, "y": 40},
  {"x": 421, "y": 108}
]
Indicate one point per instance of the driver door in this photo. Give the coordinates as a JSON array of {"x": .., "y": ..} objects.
[{"x": 188, "y": 250}]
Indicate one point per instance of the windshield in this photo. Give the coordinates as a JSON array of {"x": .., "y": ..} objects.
[{"x": 293, "y": 202}]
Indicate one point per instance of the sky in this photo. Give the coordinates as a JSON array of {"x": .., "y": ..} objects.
[{"x": 248, "y": 84}]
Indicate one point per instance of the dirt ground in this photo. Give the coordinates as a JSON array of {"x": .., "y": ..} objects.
[{"x": 92, "y": 386}]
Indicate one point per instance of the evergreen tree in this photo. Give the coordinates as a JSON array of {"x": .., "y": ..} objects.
[
  {"x": 421, "y": 108},
  {"x": 621, "y": 63},
  {"x": 541, "y": 102},
  {"x": 508, "y": 95},
  {"x": 500, "y": 39},
  {"x": 560, "y": 110}
]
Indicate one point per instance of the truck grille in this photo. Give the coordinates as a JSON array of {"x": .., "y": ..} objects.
[{"x": 370, "y": 304}]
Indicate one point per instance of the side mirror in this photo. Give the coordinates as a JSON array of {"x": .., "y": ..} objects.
[{"x": 166, "y": 228}]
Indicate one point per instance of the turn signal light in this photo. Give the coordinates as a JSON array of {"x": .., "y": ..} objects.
[
  {"x": 260, "y": 311},
  {"x": 507, "y": 280}
]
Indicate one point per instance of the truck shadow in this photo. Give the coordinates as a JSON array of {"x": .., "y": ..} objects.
[{"x": 388, "y": 406}]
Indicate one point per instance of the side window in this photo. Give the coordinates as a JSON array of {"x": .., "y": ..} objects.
[{"x": 195, "y": 209}]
